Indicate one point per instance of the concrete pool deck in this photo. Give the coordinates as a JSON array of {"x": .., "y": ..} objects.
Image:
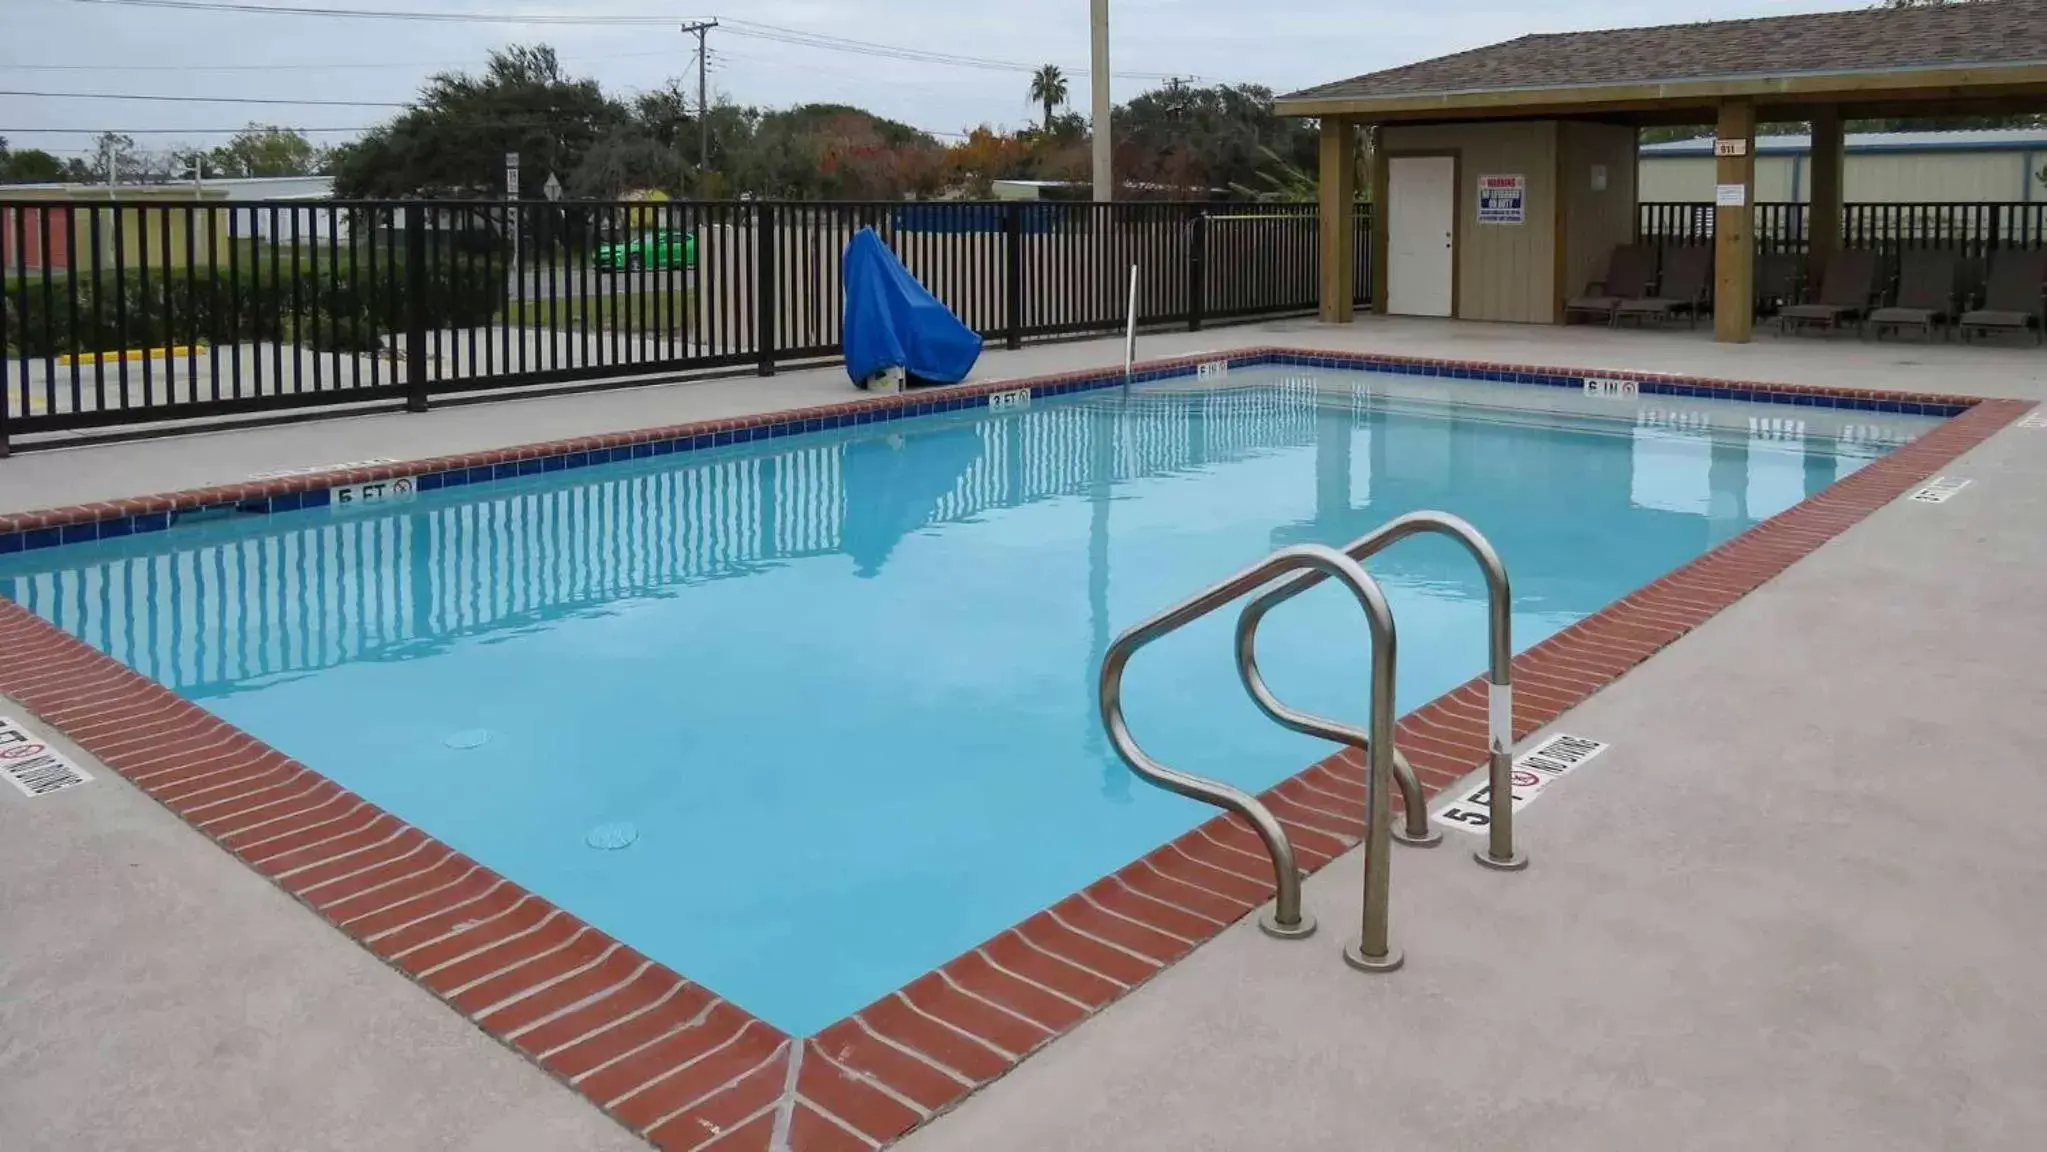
[{"x": 1750, "y": 923}]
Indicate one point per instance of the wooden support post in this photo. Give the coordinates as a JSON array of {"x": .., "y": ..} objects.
[
  {"x": 1734, "y": 241},
  {"x": 1339, "y": 191},
  {"x": 1823, "y": 216}
]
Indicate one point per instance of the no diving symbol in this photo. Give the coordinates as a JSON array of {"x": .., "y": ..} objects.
[{"x": 1526, "y": 779}]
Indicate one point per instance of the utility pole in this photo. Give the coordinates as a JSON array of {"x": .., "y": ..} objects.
[
  {"x": 1098, "y": 75},
  {"x": 699, "y": 29}
]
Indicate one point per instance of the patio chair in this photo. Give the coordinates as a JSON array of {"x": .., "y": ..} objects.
[
  {"x": 1777, "y": 275},
  {"x": 1846, "y": 291},
  {"x": 1926, "y": 293},
  {"x": 2012, "y": 297},
  {"x": 1630, "y": 274},
  {"x": 1687, "y": 286}
]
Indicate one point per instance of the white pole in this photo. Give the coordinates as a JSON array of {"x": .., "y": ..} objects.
[
  {"x": 1098, "y": 76},
  {"x": 1130, "y": 330}
]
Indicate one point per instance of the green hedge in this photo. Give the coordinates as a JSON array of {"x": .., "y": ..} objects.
[{"x": 327, "y": 312}]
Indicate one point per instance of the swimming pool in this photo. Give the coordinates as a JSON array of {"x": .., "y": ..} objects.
[{"x": 805, "y": 719}]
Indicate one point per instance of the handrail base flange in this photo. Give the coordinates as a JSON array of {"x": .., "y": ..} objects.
[
  {"x": 1429, "y": 839},
  {"x": 1514, "y": 863},
  {"x": 1268, "y": 923},
  {"x": 1354, "y": 955}
]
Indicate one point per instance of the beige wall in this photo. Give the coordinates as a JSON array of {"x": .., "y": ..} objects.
[
  {"x": 1871, "y": 177},
  {"x": 1595, "y": 222},
  {"x": 1504, "y": 271}
]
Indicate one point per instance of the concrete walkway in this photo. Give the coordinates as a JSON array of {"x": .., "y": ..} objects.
[
  {"x": 1791, "y": 908},
  {"x": 155, "y": 993}
]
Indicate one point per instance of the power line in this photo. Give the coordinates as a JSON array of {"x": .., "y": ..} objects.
[
  {"x": 794, "y": 37},
  {"x": 376, "y": 65},
  {"x": 168, "y": 99}
]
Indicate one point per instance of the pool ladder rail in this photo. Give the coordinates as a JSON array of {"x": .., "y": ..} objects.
[{"x": 1278, "y": 578}]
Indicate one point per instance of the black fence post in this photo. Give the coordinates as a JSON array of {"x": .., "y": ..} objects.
[
  {"x": 1012, "y": 275},
  {"x": 1197, "y": 269},
  {"x": 766, "y": 298},
  {"x": 415, "y": 307}
]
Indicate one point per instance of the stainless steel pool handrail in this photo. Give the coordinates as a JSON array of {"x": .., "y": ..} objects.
[
  {"x": 1499, "y": 851},
  {"x": 1414, "y": 828},
  {"x": 1286, "y": 919}
]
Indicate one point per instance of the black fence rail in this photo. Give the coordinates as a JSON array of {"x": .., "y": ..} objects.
[
  {"x": 1974, "y": 230},
  {"x": 118, "y": 312}
]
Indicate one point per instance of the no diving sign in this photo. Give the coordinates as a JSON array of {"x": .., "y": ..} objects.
[{"x": 1534, "y": 770}]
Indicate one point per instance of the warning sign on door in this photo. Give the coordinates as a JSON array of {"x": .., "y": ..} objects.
[{"x": 1502, "y": 199}]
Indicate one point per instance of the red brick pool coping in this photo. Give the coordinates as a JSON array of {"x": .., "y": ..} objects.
[{"x": 672, "y": 1060}]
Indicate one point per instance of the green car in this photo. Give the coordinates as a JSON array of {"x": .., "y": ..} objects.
[{"x": 649, "y": 250}]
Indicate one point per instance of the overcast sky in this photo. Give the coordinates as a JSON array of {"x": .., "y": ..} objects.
[{"x": 76, "y": 46}]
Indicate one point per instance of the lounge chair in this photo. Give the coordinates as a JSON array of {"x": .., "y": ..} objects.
[
  {"x": 1776, "y": 281},
  {"x": 1630, "y": 274},
  {"x": 1687, "y": 285},
  {"x": 1926, "y": 293},
  {"x": 1846, "y": 291},
  {"x": 2011, "y": 296}
]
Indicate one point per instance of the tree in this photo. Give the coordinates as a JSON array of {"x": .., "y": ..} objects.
[
  {"x": 1186, "y": 141},
  {"x": 266, "y": 150},
  {"x": 452, "y": 141},
  {"x": 1048, "y": 88},
  {"x": 35, "y": 166},
  {"x": 126, "y": 159}
]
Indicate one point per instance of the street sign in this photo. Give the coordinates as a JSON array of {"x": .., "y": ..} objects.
[{"x": 553, "y": 188}]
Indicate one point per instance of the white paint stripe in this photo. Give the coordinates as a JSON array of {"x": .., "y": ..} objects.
[
  {"x": 1132, "y": 920},
  {"x": 1232, "y": 849},
  {"x": 850, "y": 1073},
  {"x": 912, "y": 1053},
  {"x": 499, "y": 942},
  {"x": 827, "y": 1114},
  {"x": 785, "y": 1108},
  {"x": 948, "y": 981},
  {"x": 1202, "y": 888},
  {"x": 1015, "y": 975},
  {"x": 402, "y": 830},
  {"x": 579, "y": 1005},
  {"x": 692, "y": 1062},
  {"x": 527, "y": 963},
  {"x": 635, "y": 1014},
  {"x": 1191, "y": 859},
  {"x": 1148, "y": 898},
  {"x": 311, "y": 785},
  {"x": 371, "y": 866},
  {"x": 460, "y": 925},
  {"x": 1355, "y": 804},
  {"x": 1500, "y": 715},
  {"x": 457, "y": 882},
  {"x": 350, "y": 805},
  {"x": 425, "y": 866},
  {"x": 703, "y": 1014},
  {"x": 990, "y": 1045},
  {"x": 357, "y": 819},
  {"x": 1099, "y": 940}
]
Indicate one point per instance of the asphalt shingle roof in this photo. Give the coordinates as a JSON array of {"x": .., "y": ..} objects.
[{"x": 1982, "y": 32}]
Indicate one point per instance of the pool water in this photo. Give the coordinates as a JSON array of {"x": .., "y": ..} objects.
[{"x": 805, "y": 721}]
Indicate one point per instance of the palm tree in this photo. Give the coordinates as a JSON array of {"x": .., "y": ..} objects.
[{"x": 1048, "y": 87}]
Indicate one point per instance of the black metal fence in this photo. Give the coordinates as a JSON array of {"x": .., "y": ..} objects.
[
  {"x": 1974, "y": 230},
  {"x": 120, "y": 311}
]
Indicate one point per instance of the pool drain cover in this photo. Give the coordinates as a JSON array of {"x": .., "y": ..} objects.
[
  {"x": 611, "y": 837},
  {"x": 471, "y": 738}
]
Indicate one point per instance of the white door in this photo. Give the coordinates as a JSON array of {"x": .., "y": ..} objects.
[{"x": 1421, "y": 229}]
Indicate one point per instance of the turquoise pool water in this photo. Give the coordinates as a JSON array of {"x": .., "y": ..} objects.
[{"x": 806, "y": 721}]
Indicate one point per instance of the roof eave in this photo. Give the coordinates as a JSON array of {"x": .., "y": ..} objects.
[{"x": 1892, "y": 83}]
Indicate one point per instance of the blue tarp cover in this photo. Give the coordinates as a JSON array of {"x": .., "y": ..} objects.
[{"x": 892, "y": 322}]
